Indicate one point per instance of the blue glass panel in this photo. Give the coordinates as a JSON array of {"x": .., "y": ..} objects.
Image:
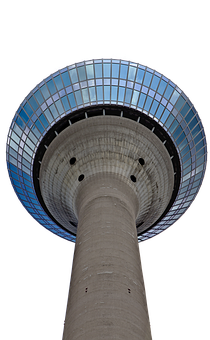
[
  {"x": 128, "y": 95},
  {"x": 28, "y": 109},
  {"x": 59, "y": 106},
  {"x": 98, "y": 70},
  {"x": 162, "y": 86},
  {"x": 147, "y": 78},
  {"x": 177, "y": 132},
  {"x": 148, "y": 103},
  {"x": 13, "y": 168},
  {"x": 193, "y": 123},
  {"x": 186, "y": 164},
  {"x": 92, "y": 94},
  {"x": 155, "y": 82},
  {"x": 85, "y": 95},
  {"x": 179, "y": 103},
  {"x": 72, "y": 100},
  {"x": 154, "y": 107},
  {"x": 169, "y": 121},
  {"x": 141, "y": 100},
  {"x": 81, "y": 72},
  {"x": 36, "y": 132},
  {"x": 198, "y": 138},
  {"x": 66, "y": 79},
  {"x": 173, "y": 126},
  {"x": 131, "y": 73},
  {"x": 196, "y": 130},
  {"x": 185, "y": 109},
  {"x": 13, "y": 175},
  {"x": 20, "y": 123},
  {"x": 90, "y": 71},
  {"x": 159, "y": 111},
  {"x": 135, "y": 97},
  {"x": 189, "y": 116},
  {"x": 185, "y": 158},
  {"x": 107, "y": 70},
  {"x": 185, "y": 150},
  {"x": 39, "y": 126},
  {"x": 115, "y": 70},
  {"x": 51, "y": 87},
  {"x": 78, "y": 97},
  {"x": 121, "y": 94},
  {"x": 65, "y": 103},
  {"x": 33, "y": 103},
  {"x": 24, "y": 116},
  {"x": 58, "y": 82},
  {"x": 99, "y": 90},
  {"x": 13, "y": 153},
  {"x": 199, "y": 146},
  {"x": 164, "y": 116},
  {"x": 168, "y": 91},
  {"x": 48, "y": 115},
  {"x": 45, "y": 91},
  {"x": 53, "y": 111},
  {"x": 39, "y": 97},
  {"x": 174, "y": 97},
  {"x": 43, "y": 120},
  {"x": 140, "y": 75},
  {"x": 181, "y": 137},
  {"x": 73, "y": 75},
  {"x": 114, "y": 93},
  {"x": 200, "y": 161},
  {"x": 106, "y": 92},
  {"x": 123, "y": 71}
]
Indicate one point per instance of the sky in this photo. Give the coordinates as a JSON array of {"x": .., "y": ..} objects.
[{"x": 36, "y": 270}]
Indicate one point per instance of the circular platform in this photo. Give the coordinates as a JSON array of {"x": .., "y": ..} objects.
[{"x": 135, "y": 95}]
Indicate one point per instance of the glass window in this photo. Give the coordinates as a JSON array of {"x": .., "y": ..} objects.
[
  {"x": 59, "y": 106},
  {"x": 115, "y": 70},
  {"x": 135, "y": 97},
  {"x": 199, "y": 145},
  {"x": 48, "y": 115},
  {"x": 39, "y": 97},
  {"x": 24, "y": 116},
  {"x": 51, "y": 87},
  {"x": 185, "y": 150},
  {"x": 73, "y": 75},
  {"x": 141, "y": 100},
  {"x": 180, "y": 103},
  {"x": 164, "y": 116},
  {"x": 44, "y": 121},
  {"x": 78, "y": 97},
  {"x": 177, "y": 132},
  {"x": 85, "y": 95},
  {"x": 131, "y": 73},
  {"x": 148, "y": 103},
  {"x": 53, "y": 111},
  {"x": 198, "y": 138},
  {"x": 193, "y": 123},
  {"x": 168, "y": 91},
  {"x": 185, "y": 109},
  {"x": 92, "y": 94},
  {"x": 140, "y": 75},
  {"x": 45, "y": 92},
  {"x": 65, "y": 103},
  {"x": 20, "y": 123},
  {"x": 121, "y": 94},
  {"x": 185, "y": 158},
  {"x": 66, "y": 79},
  {"x": 186, "y": 164},
  {"x": 189, "y": 116},
  {"x": 184, "y": 143},
  {"x": 147, "y": 78},
  {"x": 162, "y": 86},
  {"x": 98, "y": 70},
  {"x": 72, "y": 100},
  {"x": 106, "y": 92},
  {"x": 90, "y": 71},
  {"x": 107, "y": 70},
  {"x": 154, "y": 107},
  {"x": 173, "y": 126},
  {"x": 174, "y": 97},
  {"x": 33, "y": 103},
  {"x": 195, "y": 130},
  {"x": 81, "y": 72},
  {"x": 128, "y": 95},
  {"x": 28, "y": 109},
  {"x": 155, "y": 82},
  {"x": 200, "y": 161},
  {"x": 58, "y": 82},
  {"x": 99, "y": 90},
  {"x": 114, "y": 93},
  {"x": 39, "y": 126},
  {"x": 123, "y": 71},
  {"x": 159, "y": 111}
]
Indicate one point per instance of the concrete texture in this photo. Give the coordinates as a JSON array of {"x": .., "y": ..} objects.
[{"x": 109, "y": 174}]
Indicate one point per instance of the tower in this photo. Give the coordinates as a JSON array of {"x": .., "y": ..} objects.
[{"x": 112, "y": 152}]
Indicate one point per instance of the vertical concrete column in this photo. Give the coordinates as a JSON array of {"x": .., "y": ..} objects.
[{"x": 107, "y": 295}]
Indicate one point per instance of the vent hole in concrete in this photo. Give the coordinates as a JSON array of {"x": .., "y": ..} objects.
[
  {"x": 81, "y": 177},
  {"x": 86, "y": 289},
  {"x": 129, "y": 290},
  {"x": 141, "y": 161},
  {"x": 133, "y": 178},
  {"x": 72, "y": 161}
]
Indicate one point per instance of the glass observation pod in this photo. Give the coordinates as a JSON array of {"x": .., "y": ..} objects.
[{"x": 97, "y": 87}]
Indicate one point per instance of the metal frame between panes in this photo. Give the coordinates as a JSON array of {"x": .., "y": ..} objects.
[{"x": 103, "y": 61}]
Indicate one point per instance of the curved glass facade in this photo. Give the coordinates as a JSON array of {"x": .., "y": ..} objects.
[{"x": 106, "y": 82}]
